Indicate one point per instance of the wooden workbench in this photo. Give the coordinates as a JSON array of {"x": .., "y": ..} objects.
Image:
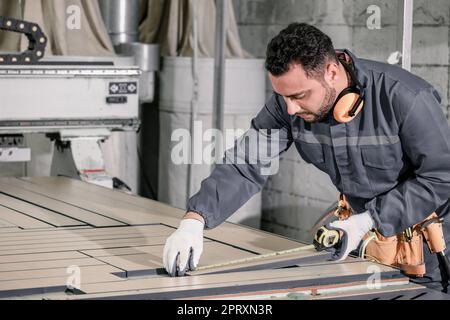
[{"x": 54, "y": 230}]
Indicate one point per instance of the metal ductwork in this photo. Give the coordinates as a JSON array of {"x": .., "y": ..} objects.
[
  {"x": 146, "y": 56},
  {"x": 121, "y": 19}
]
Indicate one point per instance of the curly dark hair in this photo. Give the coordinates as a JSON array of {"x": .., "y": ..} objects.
[{"x": 303, "y": 44}]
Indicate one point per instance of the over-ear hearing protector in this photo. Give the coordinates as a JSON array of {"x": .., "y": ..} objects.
[{"x": 351, "y": 100}]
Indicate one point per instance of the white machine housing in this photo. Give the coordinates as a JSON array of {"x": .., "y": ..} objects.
[{"x": 77, "y": 100}]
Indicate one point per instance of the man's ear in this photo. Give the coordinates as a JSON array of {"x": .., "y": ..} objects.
[{"x": 331, "y": 72}]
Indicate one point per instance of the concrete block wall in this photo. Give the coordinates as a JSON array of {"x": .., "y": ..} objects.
[{"x": 295, "y": 198}]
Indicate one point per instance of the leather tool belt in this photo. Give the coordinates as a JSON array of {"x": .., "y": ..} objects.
[{"x": 404, "y": 250}]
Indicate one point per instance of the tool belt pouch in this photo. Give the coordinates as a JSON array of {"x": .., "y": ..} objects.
[
  {"x": 397, "y": 251},
  {"x": 402, "y": 251},
  {"x": 410, "y": 258}
]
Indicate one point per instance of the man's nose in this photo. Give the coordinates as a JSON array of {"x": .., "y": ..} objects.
[{"x": 292, "y": 107}]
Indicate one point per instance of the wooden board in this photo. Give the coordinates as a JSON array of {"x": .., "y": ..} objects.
[
  {"x": 6, "y": 224},
  {"x": 398, "y": 294},
  {"x": 117, "y": 241},
  {"x": 252, "y": 290},
  {"x": 7, "y": 268},
  {"x": 246, "y": 238},
  {"x": 73, "y": 235},
  {"x": 19, "y": 219},
  {"x": 82, "y": 245},
  {"x": 88, "y": 217},
  {"x": 46, "y": 256},
  {"x": 307, "y": 257},
  {"x": 198, "y": 285},
  {"x": 151, "y": 260},
  {"x": 54, "y": 280},
  {"x": 109, "y": 207},
  {"x": 378, "y": 292},
  {"x": 158, "y": 208},
  {"x": 41, "y": 214},
  {"x": 18, "y": 230},
  {"x": 83, "y": 239}
]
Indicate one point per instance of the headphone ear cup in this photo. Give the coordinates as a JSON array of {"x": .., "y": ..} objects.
[{"x": 343, "y": 106}]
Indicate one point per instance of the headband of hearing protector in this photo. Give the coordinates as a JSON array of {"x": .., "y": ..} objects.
[{"x": 351, "y": 100}]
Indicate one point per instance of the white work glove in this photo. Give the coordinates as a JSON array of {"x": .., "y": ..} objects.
[
  {"x": 183, "y": 248},
  {"x": 354, "y": 229}
]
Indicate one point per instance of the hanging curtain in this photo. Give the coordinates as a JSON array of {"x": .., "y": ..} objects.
[
  {"x": 169, "y": 23},
  {"x": 91, "y": 39},
  {"x": 10, "y": 41}
]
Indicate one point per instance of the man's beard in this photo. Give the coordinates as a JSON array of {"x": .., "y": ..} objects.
[{"x": 326, "y": 105}]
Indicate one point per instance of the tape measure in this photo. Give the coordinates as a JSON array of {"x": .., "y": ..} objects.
[
  {"x": 256, "y": 258},
  {"x": 326, "y": 238}
]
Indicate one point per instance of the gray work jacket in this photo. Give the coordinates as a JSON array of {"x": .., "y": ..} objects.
[{"x": 393, "y": 159}]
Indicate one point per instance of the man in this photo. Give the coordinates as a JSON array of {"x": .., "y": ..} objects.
[{"x": 391, "y": 159}]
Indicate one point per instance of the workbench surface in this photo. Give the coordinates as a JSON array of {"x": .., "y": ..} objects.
[{"x": 66, "y": 239}]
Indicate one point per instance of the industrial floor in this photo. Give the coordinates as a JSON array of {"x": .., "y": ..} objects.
[{"x": 106, "y": 244}]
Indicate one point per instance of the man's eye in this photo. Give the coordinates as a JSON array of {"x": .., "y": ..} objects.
[{"x": 299, "y": 97}]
